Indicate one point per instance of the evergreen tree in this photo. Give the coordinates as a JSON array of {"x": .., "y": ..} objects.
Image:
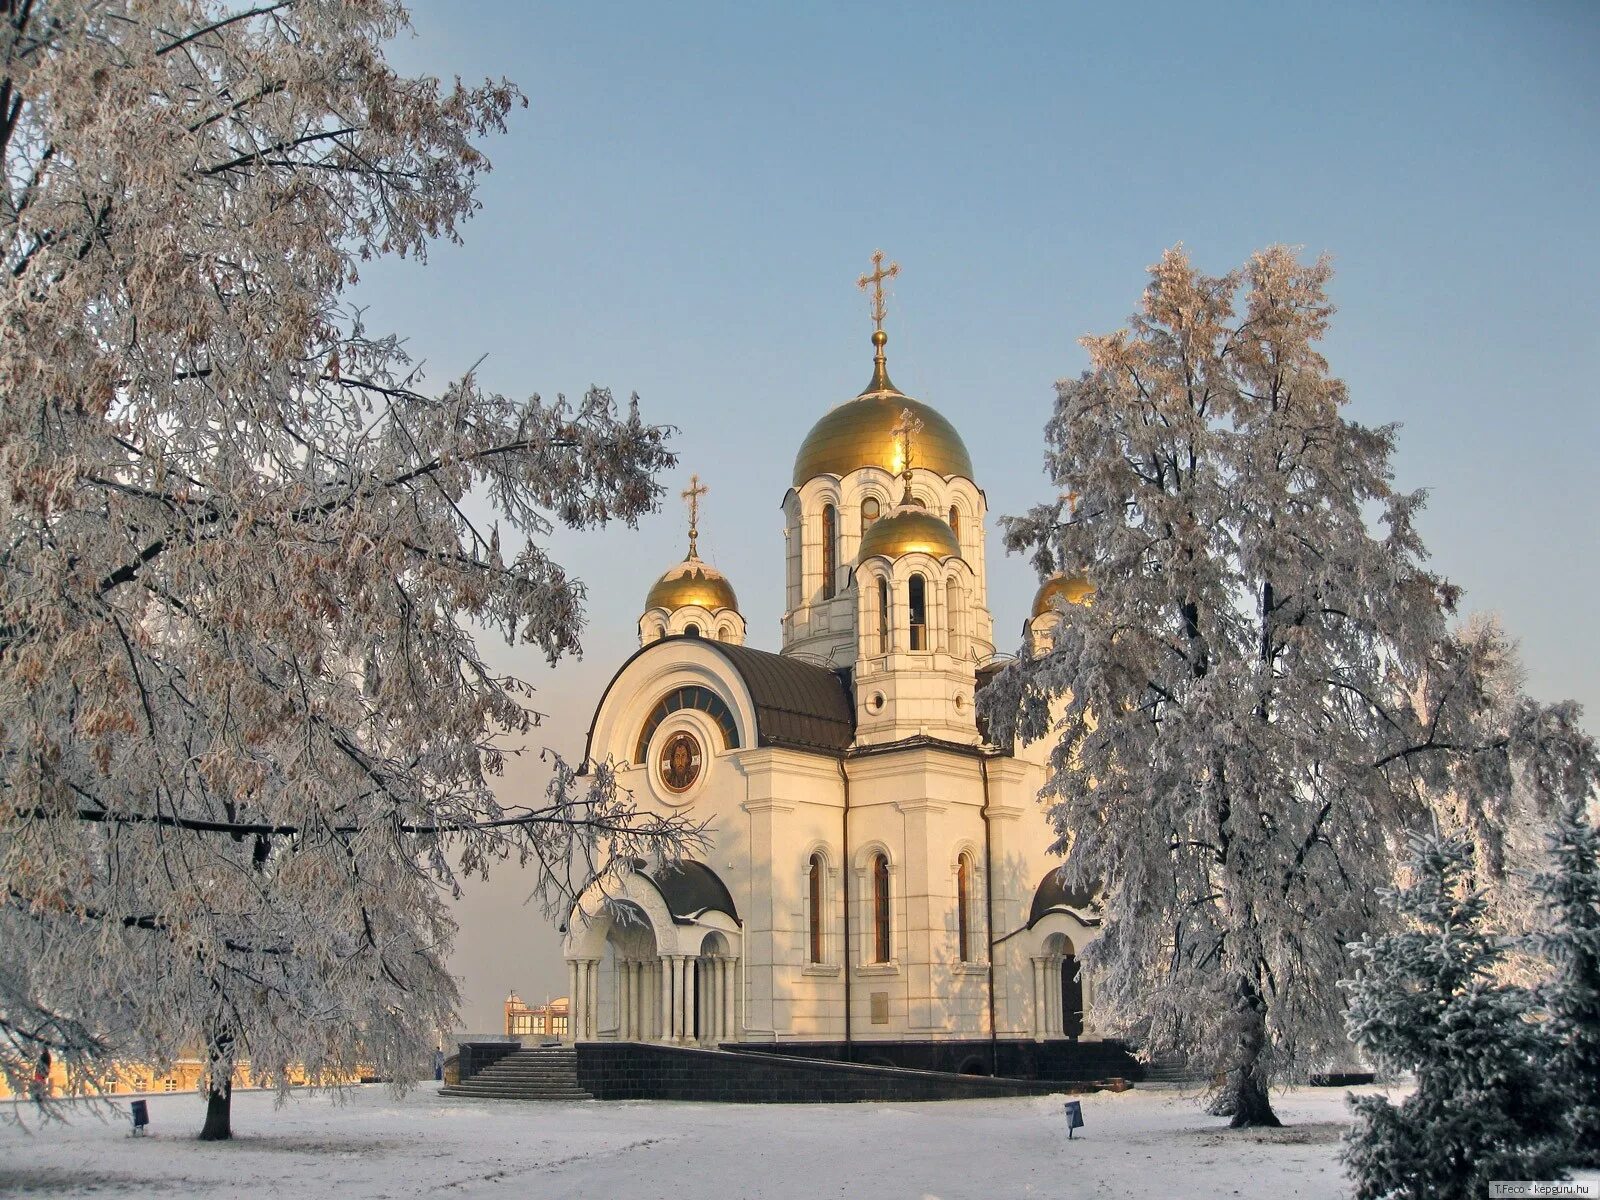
[
  {"x": 1570, "y": 893},
  {"x": 1426, "y": 1001}
]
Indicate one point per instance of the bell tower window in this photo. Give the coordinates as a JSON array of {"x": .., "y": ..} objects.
[
  {"x": 871, "y": 510},
  {"x": 918, "y": 595},
  {"x": 883, "y": 616},
  {"x": 955, "y": 522},
  {"x": 830, "y": 555}
]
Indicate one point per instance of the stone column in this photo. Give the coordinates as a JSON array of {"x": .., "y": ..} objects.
[
  {"x": 572, "y": 999},
  {"x": 664, "y": 986},
  {"x": 689, "y": 981},
  {"x": 1040, "y": 1029},
  {"x": 593, "y": 993},
  {"x": 730, "y": 992},
  {"x": 624, "y": 1005}
]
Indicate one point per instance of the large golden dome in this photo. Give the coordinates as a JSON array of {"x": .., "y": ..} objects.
[
  {"x": 859, "y": 433},
  {"x": 1073, "y": 589},
  {"x": 909, "y": 531},
  {"x": 692, "y": 582}
]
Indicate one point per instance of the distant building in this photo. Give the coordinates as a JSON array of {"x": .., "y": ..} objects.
[{"x": 538, "y": 1020}]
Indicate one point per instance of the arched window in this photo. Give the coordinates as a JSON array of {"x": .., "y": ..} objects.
[
  {"x": 691, "y": 630},
  {"x": 964, "y": 906},
  {"x": 918, "y": 591},
  {"x": 814, "y": 913},
  {"x": 955, "y": 522},
  {"x": 830, "y": 558},
  {"x": 880, "y": 908},
  {"x": 690, "y": 696},
  {"x": 871, "y": 510},
  {"x": 883, "y": 616}
]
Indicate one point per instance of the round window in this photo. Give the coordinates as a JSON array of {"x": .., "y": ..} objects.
[{"x": 680, "y": 761}]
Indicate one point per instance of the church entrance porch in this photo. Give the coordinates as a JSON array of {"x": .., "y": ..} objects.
[{"x": 639, "y": 971}]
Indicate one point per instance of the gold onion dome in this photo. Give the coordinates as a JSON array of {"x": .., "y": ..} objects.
[
  {"x": 860, "y": 433},
  {"x": 1073, "y": 589},
  {"x": 692, "y": 582},
  {"x": 909, "y": 531}
]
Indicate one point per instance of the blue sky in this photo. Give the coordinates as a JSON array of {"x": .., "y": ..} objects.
[{"x": 683, "y": 210}]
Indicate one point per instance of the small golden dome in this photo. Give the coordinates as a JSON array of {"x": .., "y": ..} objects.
[
  {"x": 692, "y": 582},
  {"x": 1074, "y": 589},
  {"x": 909, "y": 531}
]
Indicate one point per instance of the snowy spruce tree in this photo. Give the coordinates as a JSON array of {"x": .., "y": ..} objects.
[
  {"x": 1425, "y": 1000},
  {"x": 1265, "y": 690},
  {"x": 1570, "y": 892},
  {"x": 247, "y": 739}
]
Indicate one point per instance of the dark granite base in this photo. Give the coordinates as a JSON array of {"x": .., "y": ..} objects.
[{"x": 753, "y": 1075}]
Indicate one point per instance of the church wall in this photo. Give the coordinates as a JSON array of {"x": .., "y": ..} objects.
[{"x": 922, "y": 806}]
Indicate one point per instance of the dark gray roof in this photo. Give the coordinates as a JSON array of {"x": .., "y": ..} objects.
[
  {"x": 691, "y": 888},
  {"x": 798, "y": 704},
  {"x": 1051, "y": 895}
]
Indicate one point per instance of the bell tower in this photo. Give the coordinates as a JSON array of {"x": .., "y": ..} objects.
[{"x": 885, "y": 555}]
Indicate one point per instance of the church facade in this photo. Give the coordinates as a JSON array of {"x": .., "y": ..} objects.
[{"x": 878, "y": 872}]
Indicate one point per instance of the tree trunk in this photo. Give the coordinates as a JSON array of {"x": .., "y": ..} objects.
[
  {"x": 219, "y": 1115},
  {"x": 1244, "y": 1096}
]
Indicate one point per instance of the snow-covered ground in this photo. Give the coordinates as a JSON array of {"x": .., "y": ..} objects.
[{"x": 1140, "y": 1143}]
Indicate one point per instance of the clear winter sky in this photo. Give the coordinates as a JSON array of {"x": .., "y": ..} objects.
[{"x": 684, "y": 208}]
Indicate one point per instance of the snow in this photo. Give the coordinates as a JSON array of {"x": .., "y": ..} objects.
[{"x": 1146, "y": 1142}]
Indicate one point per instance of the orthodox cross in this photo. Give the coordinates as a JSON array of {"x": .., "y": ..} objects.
[
  {"x": 875, "y": 282},
  {"x": 910, "y": 425},
  {"x": 692, "y": 494}
]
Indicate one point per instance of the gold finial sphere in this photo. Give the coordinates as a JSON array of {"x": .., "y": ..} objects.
[{"x": 879, "y": 337}]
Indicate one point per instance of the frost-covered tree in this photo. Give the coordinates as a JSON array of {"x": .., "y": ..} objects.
[
  {"x": 1570, "y": 891},
  {"x": 247, "y": 738},
  {"x": 1264, "y": 691},
  {"x": 1425, "y": 1000}
]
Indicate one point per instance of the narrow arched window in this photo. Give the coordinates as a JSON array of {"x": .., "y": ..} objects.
[
  {"x": 871, "y": 510},
  {"x": 691, "y": 630},
  {"x": 918, "y": 595},
  {"x": 964, "y": 906},
  {"x": 883, "y": 616},
  {"x": 814, "y": 928},
  {"x": 880, "y": 908},
  {"x": 955, "y": 522},
  {"x": 830, "y": 559}
]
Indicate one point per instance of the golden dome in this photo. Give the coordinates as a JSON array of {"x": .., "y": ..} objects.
[
  {"x": 909, "y": 531},
  {"x": 1074, "y": 589},
  {"x": 692, "y": 582},
  {"x": 860, "y": 433}
]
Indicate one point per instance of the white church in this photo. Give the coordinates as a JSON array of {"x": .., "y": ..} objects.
[{"x": 879, "y": 873}]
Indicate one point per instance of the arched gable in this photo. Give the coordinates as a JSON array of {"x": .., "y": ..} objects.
[{"x": 773, "y": 700}]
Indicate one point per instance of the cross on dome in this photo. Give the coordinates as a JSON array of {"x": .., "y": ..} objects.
[
  {"x": 908, "y": 427},
  {"x": 692, "y": 494},
  {"x": 874, "y": 280}
]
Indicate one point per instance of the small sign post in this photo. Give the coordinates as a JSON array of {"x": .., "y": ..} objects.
[
  {"x": 1074, "y": 1117},
  {"x": 141, "y": 1117}
]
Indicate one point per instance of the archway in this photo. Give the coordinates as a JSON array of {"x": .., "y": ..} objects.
[
  {"x": 1059, "y": 947},
  {"x": 714, "y": 995},
  {"x": 632, "y": 969}
]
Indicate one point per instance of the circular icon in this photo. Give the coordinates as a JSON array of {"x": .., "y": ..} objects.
[{"x": 680, "y": 761}]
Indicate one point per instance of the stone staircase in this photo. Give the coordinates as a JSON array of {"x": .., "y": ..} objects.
[{"x": 536, "y": 1073}]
